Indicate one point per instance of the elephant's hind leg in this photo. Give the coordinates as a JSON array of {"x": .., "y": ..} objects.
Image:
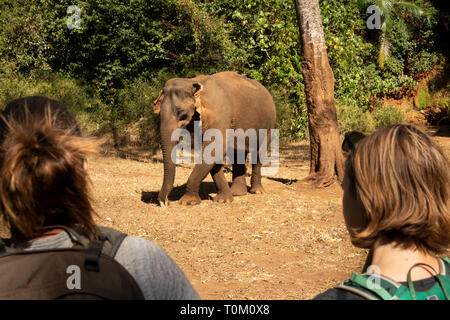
[
  {"x": 256, "y": 186},
  {"x": 239, "y": 186},
  {"x": 255, "y": 182},
  {"x": 223, "y": 190}
]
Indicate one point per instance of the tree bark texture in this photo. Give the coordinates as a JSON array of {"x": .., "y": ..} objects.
[{"x": 327, "y": 161}]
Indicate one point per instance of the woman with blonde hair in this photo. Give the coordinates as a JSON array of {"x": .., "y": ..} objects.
[
  {"x": 396, "y": 203},
  {"x": 46, "y": 204}
]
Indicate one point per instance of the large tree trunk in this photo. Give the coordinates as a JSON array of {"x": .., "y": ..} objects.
[{"x": 327, "y": 161}]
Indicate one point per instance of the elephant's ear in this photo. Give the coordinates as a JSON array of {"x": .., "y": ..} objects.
[
  {"x": 198, "y": 88},
  {"x": 157, "y": 102}
]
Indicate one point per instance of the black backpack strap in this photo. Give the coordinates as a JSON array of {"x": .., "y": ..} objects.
[
  {"x": 114, "y": 240},
  {"x": 93, "y": 253},
  {"x": 94, "y": 248},
  {"x": 108, "y": 243},
  {"x": 2, "y": 247}
]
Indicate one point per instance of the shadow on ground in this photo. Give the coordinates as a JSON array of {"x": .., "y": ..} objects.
[
  {"x": 206, "y": 188},
  {"x": 442, "y": 131},
  {"x": 283, "y": 180}
]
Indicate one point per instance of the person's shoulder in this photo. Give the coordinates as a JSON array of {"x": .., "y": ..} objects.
[
  {"x": 156, "y": 273},
  {"x": 138, "y": 251},
  {"x": 337, "y": 293},
  {"x": 140, "y": 245}
]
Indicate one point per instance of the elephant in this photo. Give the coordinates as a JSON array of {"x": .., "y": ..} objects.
[{"x": 225, "y": 100}]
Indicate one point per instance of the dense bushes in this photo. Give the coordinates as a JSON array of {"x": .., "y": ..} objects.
[{"x": 111, "y": 68}]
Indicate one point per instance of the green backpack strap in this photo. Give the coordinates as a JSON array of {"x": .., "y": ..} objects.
[
  {"x": 371, "y": 286},
  {"x": 366, "y": 281},
  {"x": 388, "y": 289},
  {"x": 442, "y": 279}
]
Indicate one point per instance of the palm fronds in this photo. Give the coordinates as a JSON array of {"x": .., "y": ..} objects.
[
  {"x": 411, "y": 8},
  {"x": 387, "y": 9},
  {"x": 384, "y": 50}
]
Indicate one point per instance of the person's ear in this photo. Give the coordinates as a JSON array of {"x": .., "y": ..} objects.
[{"x": 85, "y": 165}]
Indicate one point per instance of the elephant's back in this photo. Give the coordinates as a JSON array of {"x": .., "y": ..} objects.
[
  {"x": 252, "y": 105},
  {"x": 233, "y": 81},
  {"x": 245, "y": 90}
]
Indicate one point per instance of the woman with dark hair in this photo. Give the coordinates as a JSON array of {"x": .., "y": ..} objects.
[
  {"x": 396, "y": 203},
  {"x": 45, "y": 198}
]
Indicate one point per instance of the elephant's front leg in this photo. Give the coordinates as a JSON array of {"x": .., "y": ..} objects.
[
  {"x": 191, "y": 196},
  {"x": 223, "y": 190}
]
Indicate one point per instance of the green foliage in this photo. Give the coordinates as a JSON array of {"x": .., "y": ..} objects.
[
  {"x": 352, "y": 50},
  {"x": 437, "y": 98},
  {"x": 390, "y": 11},
  {"x": 423, "y": 98},
  {"x": 423, "y": 62},
  {"x": 15, "y": 85},
  {"x": 135, "y": 102},
  {"x": 266, "y": 35},
  {"x": 351, "y": 118},
  {"x": 119, "y": 42},
  {"x": 292, "y": 122},
  {"x": 387, "y": 115},
  {"x": 22, "y": 44}
]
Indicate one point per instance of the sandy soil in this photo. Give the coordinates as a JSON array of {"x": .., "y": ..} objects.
[{"x": 289, "y": 243}]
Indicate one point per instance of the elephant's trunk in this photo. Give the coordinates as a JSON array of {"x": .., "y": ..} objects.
[{"x": 169, "y": 166}]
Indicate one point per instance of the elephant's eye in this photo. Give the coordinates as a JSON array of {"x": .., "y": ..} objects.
[
  {"x": 183, "y": 117},
  {"x": 181, "y": 114}
]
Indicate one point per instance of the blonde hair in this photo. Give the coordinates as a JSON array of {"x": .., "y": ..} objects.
[
  {"x": 42, "y": 176},
  {"x": 401, "y": 177}
]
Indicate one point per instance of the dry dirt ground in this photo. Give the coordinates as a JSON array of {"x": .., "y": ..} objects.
[{"x": 289, "y": 243}]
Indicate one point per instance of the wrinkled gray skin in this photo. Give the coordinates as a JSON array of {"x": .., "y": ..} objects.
[{"x": 228, "y": 101}]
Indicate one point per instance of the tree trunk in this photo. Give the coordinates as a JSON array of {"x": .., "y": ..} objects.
[{"x": 327, "y": 161}]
